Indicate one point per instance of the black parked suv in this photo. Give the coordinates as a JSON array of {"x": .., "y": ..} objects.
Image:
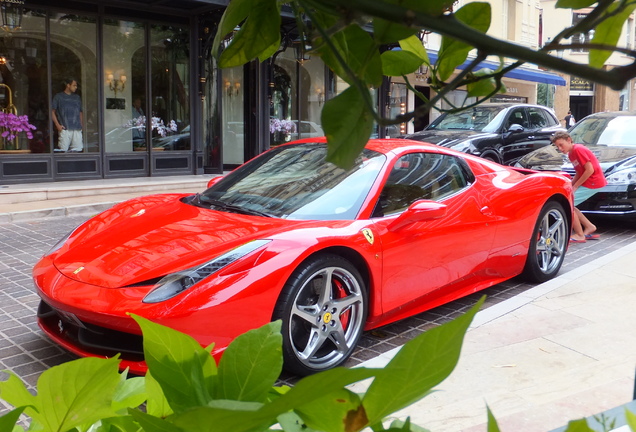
[{"x": 501, "y": 132}]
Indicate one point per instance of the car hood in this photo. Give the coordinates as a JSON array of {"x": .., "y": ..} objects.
[
  {"x": 150, "y": 237},
  {"x": 447, "y": 138},
  {"x": 549, "y": 158}
]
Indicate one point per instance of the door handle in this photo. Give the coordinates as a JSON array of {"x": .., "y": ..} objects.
[{"x": 485, "y": 210}]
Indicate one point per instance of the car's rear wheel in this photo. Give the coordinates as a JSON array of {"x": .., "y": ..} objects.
[
  {"x": 548, "y": 243},
  {"x": 323, "y": 307}
]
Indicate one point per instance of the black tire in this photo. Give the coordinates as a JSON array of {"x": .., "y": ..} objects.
[
  {"x": 492, "y": 157},
  {"x": 548, "y": 244},
  {"x": 323, "y": 307}
]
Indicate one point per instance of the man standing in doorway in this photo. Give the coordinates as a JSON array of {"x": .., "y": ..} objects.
[
  {"x": 569, "y": 120},
  {"x": 68, "y": 118}
]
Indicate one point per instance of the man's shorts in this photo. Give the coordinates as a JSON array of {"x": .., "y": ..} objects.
[
  {"x": 582, "y": 193},
  {"x": 72, "y": 139}
]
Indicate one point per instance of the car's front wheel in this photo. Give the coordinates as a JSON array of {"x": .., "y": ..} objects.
[
  {"x": 323, "y": 307},
  {"x": 548, "y": 243}
]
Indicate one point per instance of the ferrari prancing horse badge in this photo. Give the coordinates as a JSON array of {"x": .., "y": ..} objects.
[{"x": 368, "y": 234}]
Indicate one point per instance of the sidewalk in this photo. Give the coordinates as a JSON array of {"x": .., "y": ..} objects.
[
  {"x": 86, "y": 197},
  {"x": 561, "y": 351}
]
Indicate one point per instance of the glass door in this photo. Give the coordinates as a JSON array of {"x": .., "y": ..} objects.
[
  {"x": 233, "y": 117},
  {"x": 124, "y": 86}
]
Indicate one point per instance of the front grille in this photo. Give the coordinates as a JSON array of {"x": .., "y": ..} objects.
[{"x": 97, "y": 340}]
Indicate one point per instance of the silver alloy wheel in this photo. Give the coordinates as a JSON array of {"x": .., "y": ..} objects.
[
  {"x": 552, "y": 239},
  {"x": 326, "y": 318}
]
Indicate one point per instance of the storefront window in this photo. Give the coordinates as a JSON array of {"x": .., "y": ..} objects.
[
  {"x": 170, "y": 88},
  {"x": 74, "y": 58},
  {"x": 312, "y": 97},
  {"x": 283, "y": 114},
  {"x": 124, "y": 86},
  {"x": 397, "y": 106},
  {"x": 232, "y": 116},
  {"x": 24, "y": 84}
]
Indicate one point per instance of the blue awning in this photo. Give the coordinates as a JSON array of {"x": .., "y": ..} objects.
[{"x": 519, "y": 73}]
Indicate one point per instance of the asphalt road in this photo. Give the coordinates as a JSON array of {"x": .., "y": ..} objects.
[{"x": 25, "y": 350}]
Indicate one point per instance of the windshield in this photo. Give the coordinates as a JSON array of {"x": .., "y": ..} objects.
[
  {"x": 615, "y": 132},
  {"x": 295, "y": 182},
  {"x": 477, "y": 119}
]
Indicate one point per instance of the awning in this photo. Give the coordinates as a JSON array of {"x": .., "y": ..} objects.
[{"x": 520, "y": 73}]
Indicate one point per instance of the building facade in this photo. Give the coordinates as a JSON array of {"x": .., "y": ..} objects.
[
  {"x": 580, "y": 96},
  {"x": 154, "y": 102}
]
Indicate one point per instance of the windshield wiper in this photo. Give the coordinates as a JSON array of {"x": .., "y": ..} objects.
[{"x": 231, "y": 207}]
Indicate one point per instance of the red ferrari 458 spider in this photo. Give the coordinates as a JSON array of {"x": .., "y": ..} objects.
[{"x": 329, "y": 251}]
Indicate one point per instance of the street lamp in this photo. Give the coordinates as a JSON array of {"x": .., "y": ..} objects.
[{"x": 11, "y": 14}]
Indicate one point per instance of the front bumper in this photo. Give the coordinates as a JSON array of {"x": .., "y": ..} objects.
[
  {"x": 613, "y": 201},
  {"x": 89, "y": 340}
]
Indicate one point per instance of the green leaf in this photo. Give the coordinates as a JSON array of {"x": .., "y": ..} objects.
[
  {"x": 337, "y": 404},
  {"x": 315, "y": 386},
  {"x": 120, "y": 424},
  {"x": 185, "y": 371},
  {"x": 453, "y": 52},
  {"x": 348, "y": 125},
  {"x": 631, "y": 419},
  {"x": 578, "y": 426},
  {"x": 9, "y": 420},
  {"x": 482, "y": 87},
  {"x": 574, "y": 4},
  {"x": 251, "y": 364},
  {"x": 76, "y": 393},
  {"x": 130, "y": 393},
  {"x": 386, "y": 32},
  {"x": 429, "y": 7},
  {"x": 153, "y": 424},
  {"x": 291, "y": 422},
  {"x": 15, "y": 392},
  {"x": 492, "y": 422},
  {"x": 420, "y": 365},
  {"x": 233, "y": 418},
  {"x": 608, "y": 32},
  {"x": 414, "y": 45},
  {"x": 331, "y": 60},
  {"x": 363, "y": 56},
  {"x": 213, "y": 419},
  {"x": 235, "y": 13},
  {"x": 258, "y": 37},
  {"x": 398, "y": 63},
  {"x": 157, "y": 404},
  {"x": 400, "y": 425}
]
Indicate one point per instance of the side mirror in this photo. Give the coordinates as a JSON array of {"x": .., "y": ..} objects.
[
  {"x": 214, "y": 181},
  {"x": 514, "y": 128},
  {"x": 419, "y": 211}
]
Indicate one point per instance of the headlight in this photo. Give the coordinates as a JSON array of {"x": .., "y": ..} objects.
[
  {"x": 175, "y": 283},
  {"x": 622, "y": 177}
]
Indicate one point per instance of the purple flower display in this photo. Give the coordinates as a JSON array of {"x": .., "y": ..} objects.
[
  {"x": 11, "y": 125},
  {"x": 280, "y": 125}
]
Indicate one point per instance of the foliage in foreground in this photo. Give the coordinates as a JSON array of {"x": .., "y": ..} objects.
[{"x": 185, "y": 390}]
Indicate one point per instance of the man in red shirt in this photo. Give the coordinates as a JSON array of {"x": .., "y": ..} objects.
[{"x": 589, "y": 177}]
